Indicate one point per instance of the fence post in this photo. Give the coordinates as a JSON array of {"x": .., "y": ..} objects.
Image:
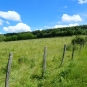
[
  {"x": 63, "y": 55},
  {"x": 81, "y": 46},
  {"x": 44, "y": 62},
  {"x": 73, "y": 51},
  {"x": 8, "y": 70}
]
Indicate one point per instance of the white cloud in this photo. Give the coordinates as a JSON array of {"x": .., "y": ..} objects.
[
  {"x": 82, "y": 1},
  {"x": 60, "y": 26},
  {"x": 70, "y": 25},
  {"x": 7, "y": 22},
  {"x": 39, "y": 29},
  {"x": 74, "y": 18},
  {"x": 45, "y": 26},
  {"x": 20, "y": 27},
  {"x": 76, "y": 24},
  {"x": 10, "y": 15},
  {"x": 48, "y": 27},
  {"x": 65, "y": 7},
  {"x": 1, "y": 22}
]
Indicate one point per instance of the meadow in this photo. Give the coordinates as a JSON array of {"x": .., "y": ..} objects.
[{"x": 26, "y": 70}]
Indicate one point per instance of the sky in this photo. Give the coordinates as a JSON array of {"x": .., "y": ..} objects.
[{"x": 30, "y": 15}]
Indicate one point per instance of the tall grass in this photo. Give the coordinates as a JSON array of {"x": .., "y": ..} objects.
[{"x": 26, "y": 68}]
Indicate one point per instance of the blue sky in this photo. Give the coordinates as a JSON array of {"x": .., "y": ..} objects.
[{"x": 30, "y": 15}]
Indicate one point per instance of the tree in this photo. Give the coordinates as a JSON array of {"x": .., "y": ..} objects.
[
  {"x": 79, "y": 40},
  {"x": 2, "y": 37}
]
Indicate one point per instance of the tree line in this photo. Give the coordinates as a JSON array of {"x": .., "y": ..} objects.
[{"x": 55, "y": 32}]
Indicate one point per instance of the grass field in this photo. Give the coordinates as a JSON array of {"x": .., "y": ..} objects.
[{"x": 26, "y": 67}]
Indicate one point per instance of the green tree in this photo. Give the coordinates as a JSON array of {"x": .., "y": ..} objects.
[{"x": 2, "y": 37}]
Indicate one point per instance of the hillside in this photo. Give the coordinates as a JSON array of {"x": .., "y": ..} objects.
[{"x": 26, "y": 70}]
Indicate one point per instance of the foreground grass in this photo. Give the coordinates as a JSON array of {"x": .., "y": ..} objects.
[{"x": 27, "y": 63}]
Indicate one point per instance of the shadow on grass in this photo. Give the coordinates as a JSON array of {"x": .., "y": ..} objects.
[{"x": 38, "y": 77}]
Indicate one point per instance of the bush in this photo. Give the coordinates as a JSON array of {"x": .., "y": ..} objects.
[
  {"x": 22, "y": 60},
  {"x": 2, "y": 37},
  {"x": 69, "y": 47},
  {"x": 79, "y": 40}
]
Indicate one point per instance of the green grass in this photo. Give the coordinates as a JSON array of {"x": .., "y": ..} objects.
[{"x": 26, "y": 67}]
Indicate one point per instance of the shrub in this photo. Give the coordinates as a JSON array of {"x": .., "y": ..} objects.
[
  {"x": 79, "y": 40},
  {"x": 23, "y": 60},
  {"x": 2, "y": 37},
  {"x": 69, "y": 47}
]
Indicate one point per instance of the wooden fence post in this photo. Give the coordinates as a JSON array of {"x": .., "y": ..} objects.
[
  {"x": 44, "y": 62},
  {"x": 73, "y": 51},
  {"x": 81, "y": 46},
  {"x": 63, "y": 55},
  {"x": 8, "y": 70}
]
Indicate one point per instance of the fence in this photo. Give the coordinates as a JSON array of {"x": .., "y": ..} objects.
[{"x": 43, "y": 64}]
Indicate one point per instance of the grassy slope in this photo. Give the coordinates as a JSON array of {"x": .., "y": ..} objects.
[{"x": 27, "y": 64}]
